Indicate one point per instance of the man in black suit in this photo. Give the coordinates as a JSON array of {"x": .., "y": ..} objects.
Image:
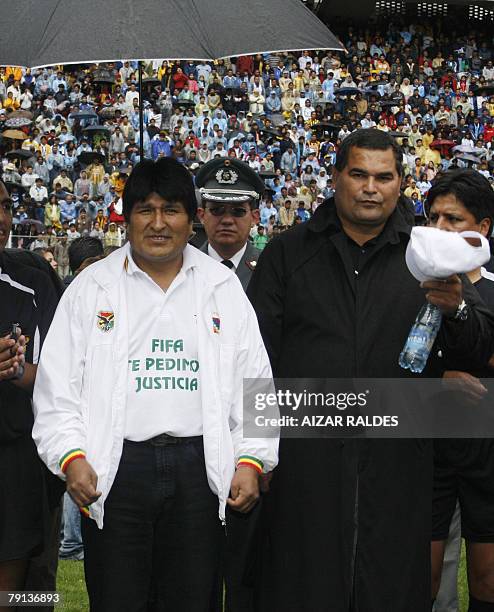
[{"x": 230, "y": 192}]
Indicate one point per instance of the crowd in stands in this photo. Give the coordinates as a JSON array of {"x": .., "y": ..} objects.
[{"x": 70, "y": 137}]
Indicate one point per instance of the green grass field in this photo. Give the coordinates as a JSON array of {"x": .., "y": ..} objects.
[{"x": 71, "y": 585}]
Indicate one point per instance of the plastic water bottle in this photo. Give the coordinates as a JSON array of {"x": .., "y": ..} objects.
[{"x": 421, "y": 338}]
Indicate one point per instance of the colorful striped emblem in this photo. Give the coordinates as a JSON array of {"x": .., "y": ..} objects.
[
  {"x": 75, "y": 453},
  {"x": 105, "y": 320},
  {"x": 252, "y": 462},
  {"x": 216, "y": 323}
]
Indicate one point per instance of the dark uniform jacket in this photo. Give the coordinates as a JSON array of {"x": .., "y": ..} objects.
[
  {"x": 348, "y": 522},
  {"x": 246, "y": 265}
]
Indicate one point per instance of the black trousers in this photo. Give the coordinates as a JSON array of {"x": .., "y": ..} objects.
[{"x": 159, "y": 548}]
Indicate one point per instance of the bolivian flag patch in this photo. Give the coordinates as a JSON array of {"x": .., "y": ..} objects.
[{"x": 105, "y": 320}]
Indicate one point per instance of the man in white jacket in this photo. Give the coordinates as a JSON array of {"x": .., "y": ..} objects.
[{"x": 138, "y": 404}]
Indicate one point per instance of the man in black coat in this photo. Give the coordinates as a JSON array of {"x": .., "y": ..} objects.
[{"x": 348, "y": 521}]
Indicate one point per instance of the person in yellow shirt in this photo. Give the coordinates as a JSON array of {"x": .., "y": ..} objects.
[
  {"x": 299, "y": 81},
  {"x": 15, "y": 71},
  {"x": 427, "y": 138},
  {"x": 95, "y": 173},
  {"x": 432, "y": 155},
  {"x": 11, "y": 102},
  {"x": 420, "y": 150},
  {"x": 30, "y": 143}
]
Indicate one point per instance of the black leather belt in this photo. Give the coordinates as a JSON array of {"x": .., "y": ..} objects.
[{"x": 167, "y": 440}]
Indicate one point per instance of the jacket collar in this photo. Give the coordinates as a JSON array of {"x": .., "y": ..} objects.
[
  {"x": 107, "y": 272},
  {"x": 325, "y": 218}
]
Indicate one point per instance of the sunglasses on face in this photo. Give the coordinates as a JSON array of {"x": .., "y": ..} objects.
[{"x": 221, "y": 209}]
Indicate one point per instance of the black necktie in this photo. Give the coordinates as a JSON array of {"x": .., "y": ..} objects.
[{"x": 227, "y": 263}]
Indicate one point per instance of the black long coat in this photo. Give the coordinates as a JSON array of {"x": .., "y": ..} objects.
[{"x": 348, "y": 522}]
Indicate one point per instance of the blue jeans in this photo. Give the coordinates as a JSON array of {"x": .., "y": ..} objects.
[
  {"x": 71, "y": 546},
  {"x": 160, "y": 544}
]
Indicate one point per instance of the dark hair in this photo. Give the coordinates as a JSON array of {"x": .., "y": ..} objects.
[
  {"x": 469, "y": 187},
  {"x": 82, "y": 248},
  {"x": 373, "y": 139},
  {"x": 166, "y": 177}
]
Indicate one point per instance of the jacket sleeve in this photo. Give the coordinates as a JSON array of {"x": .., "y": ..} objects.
[
  {"x": 57, "y": 403},
  {"x": 266, "y": 292},
  {"x": 469, "y": 344},
  {"x": 252, "y": 363}
]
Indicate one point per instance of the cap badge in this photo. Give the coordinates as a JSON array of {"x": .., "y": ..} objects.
[{"x": 226, "y": 176}]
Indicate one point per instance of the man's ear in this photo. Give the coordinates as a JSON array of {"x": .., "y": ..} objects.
[{"x": 200, "y": 214}]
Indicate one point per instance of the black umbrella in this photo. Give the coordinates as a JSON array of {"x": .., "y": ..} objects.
[
  {"x": 19, "y": 154},
  {"x": 270, "y": 132},
  {"x": 88, "y": 157},
  {"x": 347, "y": 91},
  {"x": 154, "y": 29},
  {"x": 484, "y": 90},
  {"x": 184, "y": 103},
  {"x": 103, "y": 76},
  {"x": 84, "y": 114},
  {"x": 10, "y": 185},
  {"x": 91, "y": 129},
  {"x": 393, "y": 102},
  {"x": 151, "y": 81}
]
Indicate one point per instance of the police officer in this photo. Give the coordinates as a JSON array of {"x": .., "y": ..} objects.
[{"x": 230, "y": 192}]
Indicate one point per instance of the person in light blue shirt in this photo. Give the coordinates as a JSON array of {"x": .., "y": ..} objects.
[
  {"x": 68, "y": 209},
  {"x": 272, "y": 104},
  {"x": 268, "y": 211},
  {"x": 230, "y": 80},
  {"x": 162, "y": 147}
]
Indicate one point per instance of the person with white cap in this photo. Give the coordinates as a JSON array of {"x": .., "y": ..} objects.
[
  {"x": 349, "y": 520},
  {"x": 460, "y": 201}
]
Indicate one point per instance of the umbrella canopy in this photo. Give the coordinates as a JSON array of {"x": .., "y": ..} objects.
[
  {"x": 347, "y": 91},
  {"x": 153, "y": 29},
  {"x": 11, "y": 186},
  {"x": 398, "y": 134},
  {"x": 85, "y": 114},
  {"x": 467, "y": 149},
  {"x": 440, "y": 143},
  {"x": 469, "y": 158},
  {"x": 101, "y": 75},
  {"x": 151, "y": 81},
  {"x": 96, "y": 128},
  {"x": 40, "y": 227},
  {"x": 21, "y": 113},
  {"x": 14, "y": 134},
  {"x": 88, "y": 157},
  {"x": 17, "y": 122},
  {"x": 484, "y": 90},
  {"x": 19, "y": 154}
]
